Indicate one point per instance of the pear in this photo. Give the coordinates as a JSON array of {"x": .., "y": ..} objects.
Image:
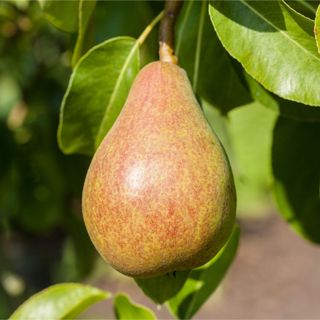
[{"x": 159, "y": 194}]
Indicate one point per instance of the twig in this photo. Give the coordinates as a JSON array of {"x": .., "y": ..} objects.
[{"x": 166, "y": 33}]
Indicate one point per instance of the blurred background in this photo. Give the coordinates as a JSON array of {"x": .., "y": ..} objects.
[{"x": 43, "y": 239}]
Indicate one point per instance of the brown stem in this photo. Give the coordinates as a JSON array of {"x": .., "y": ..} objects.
[{"x": 166, "y": 32}]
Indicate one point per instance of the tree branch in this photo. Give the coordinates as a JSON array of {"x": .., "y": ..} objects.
[{"x": 166, "y": 32}]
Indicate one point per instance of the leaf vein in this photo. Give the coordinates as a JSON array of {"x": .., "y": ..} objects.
[{"x": 279, "y": 30}]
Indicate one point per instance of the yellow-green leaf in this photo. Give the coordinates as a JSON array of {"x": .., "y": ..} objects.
[
  {"x": 96, "y": 93},
  {"x": 274, "y": 43},
  {"x": 86, "y": 8},
  {"x": 61, "y": 301},
  {"x": 317, "y": 28},
  {"x": 125, "y": 309}
]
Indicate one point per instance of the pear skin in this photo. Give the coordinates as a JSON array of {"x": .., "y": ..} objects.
[{"x": 159, "y": 194}]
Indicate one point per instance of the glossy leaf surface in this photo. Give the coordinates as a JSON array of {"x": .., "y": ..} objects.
[
  {"x": 61, "y": 301},
  {"x": 286, "y": 108},
  {"x": 274, "y": 43},
  {"x": 96, "y": 93}
]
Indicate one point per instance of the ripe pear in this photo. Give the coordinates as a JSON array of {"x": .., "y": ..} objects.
[{"x": 159, "y": 194}]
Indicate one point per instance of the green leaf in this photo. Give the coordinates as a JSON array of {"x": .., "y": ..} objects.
[
  {"x": 250, "y": 128},
  {"x": 296, "y": 171},
  {"x": 274, "y": 43},
  {"x": 61, "y": 301},
  {"x": 207, "y": 63},
  {"x": 62, "y": 14},
  {"x": 286, "y": 108},
  {"x": 96, "y": 93},
  {"x": 125, "y": 309},
  {"x": 305, "y": 7},
  {"x": 317, "y": 28},
  {"x": 218, "y": 123},
  {"x": 163, "y": 288},
  {"x": 246, "y": 134},
  {"x": 86, "y": 8},
  {"x": 203, "y": 281},
  {"x": 114, "y": 18}
]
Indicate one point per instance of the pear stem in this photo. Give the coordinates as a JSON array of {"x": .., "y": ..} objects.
[{"x": 166, "y": 32}]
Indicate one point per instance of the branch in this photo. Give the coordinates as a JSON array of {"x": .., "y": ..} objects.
[{"x": 166, "y": 32}]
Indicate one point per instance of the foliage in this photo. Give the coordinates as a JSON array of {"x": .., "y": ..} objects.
[
  {"x": 125, "y": 309},
  {"x": 317, "y": 28},
  {"x": 118, "y": 58},
  {"x": 203, "y": 281},
  {"x": 62, "y": 301},
  {"x": 205, "y": 61},
  {"x": 299, "y": 206},
  {"x": 162, "y": 288},
  {"x": 247, "y": 27},
  {"x": 254, "y": 66}
]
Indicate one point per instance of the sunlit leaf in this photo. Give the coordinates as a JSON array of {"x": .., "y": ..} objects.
[
  {"x": 286, "y": 108},
  {"x": 250, "y": 128},
  {"x": 246, "y": 134},
  {"x": 61, "y": 301},
  {"x": 125, "y": 309},
  {"x": 96, "y": 93},
  {"x": 317, "y": 28},
  {"x": 274, "y": 43}
]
